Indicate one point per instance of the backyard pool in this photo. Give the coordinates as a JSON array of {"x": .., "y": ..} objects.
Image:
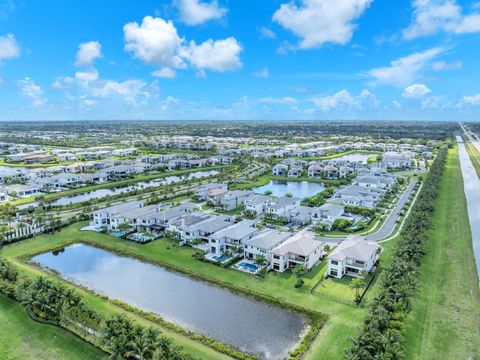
[
  {"x": 301, "y": 189},
  {"x": 252, "y": 326}
]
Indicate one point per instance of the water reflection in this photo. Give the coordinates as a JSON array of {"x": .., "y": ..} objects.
[{"x": 248, "y": 324}]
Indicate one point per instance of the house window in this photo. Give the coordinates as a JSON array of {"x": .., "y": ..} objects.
[
  {"x": 276, "y": 267},
  {"x": 276, "y": 257},
  {"x": 333, "y": 272},
  {"x": 334, "y": 262}
]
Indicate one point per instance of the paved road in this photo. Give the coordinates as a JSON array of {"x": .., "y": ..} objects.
[{"x": 389, "y": 225}]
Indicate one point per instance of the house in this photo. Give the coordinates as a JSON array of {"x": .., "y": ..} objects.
[
  {"x": 221, "y": 159},
  {"x": 263, "y": 243},
  {"x": 355, "y": 195},
  {"x": 158, "y": 221},
  {"x": 186, "y": 227},
  {"x": 281, "y": 206},
  {"x": 301, "y": 249},
  {"x": 300, "y": 215},
  {"x": 212, "y": 226},
  {"x": 233, "y": 236},
  {"x": 327, "y": 214},
  {"x": 38, "y": 158},
  {"x": 3, "y": 197},
  {"x": 393, "y": 160},
  {"x": 22, "y": 190},
  {"x": 257, "y": 203},
  {"x": 280, "y": 170},
  {"x": 103, "y": 217},
  {"x": 295, "y": 171},
  {"x": 314, "y": 171},
  {"x": 202, "y": 190},
  {"x": 232, "y": 199},
  {"x": 352, "y": 256},
  {"x": 376, "y": 181}
]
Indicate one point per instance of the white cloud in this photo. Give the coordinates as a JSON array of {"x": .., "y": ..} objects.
[
  {"x": 344, "y": 100},
  {"x": 443, "y": 65},
  {"x": 218, "y": 55},
  {"x": 32, "y": 91},
  {"x": 154, "y": 42},
  {"x": 405, "y": 70},
  {"x": 88, "y": 52},
  {"x": 433, "y": 16},
  {"x": 264, "y": 73},
  {"x": 133, "y": 92},
  {"x": 318, "y": 22},
  {"x": 165, "y": 73},
  {"x": 196, "y": 12},
  {"x": 282, "y": 100},
  {"x": 416, "y": 91},
  {"x": 9, "y": 47},
  {"x": 267, "y": 33},
  {"x": 473, "y": 100},
  {"x": 87, "y": 76}
]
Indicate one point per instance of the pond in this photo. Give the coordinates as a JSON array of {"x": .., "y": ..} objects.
[
  {"x": 250, "y": 325},
  {"x": 356, "y": 157},
  {"x": 471, "y": 187},
  {"x": 98, "y": 194},
  {"x": 301, "y": 189}
]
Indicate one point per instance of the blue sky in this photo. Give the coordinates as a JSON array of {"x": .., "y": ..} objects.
[{"x": 239, "y": 59}]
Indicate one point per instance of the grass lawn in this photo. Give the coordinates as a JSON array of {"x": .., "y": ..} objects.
[
  {"x": 333, "y": 299},
  {"x": 22, "y": 338},
  {"x": 474, "y": 155},
  {"x": 445, "y": 321}
]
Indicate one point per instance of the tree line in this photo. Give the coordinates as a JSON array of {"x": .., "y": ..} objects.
[{"x": 382, "y": 334}]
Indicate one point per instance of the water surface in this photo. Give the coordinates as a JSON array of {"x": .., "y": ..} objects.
[
  {"x": 471, "y": 187},
  {"x": 301, "y": 189},
  {"x": 248, "y": 324}
]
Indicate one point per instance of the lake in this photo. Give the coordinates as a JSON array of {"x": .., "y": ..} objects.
[
  {"x": 356, "y": 157},
  {"x": 301, "y": 189},
  {"x": 98, "y": 194},
  {"x": 471, "y": 187},
  {"x": 250, "y": 325}
]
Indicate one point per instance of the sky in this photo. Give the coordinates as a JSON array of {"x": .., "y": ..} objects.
[{"x": 239, "y": 59}]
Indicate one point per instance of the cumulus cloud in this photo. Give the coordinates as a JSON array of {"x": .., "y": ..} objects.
[
  {"x": 156, "y": 42},
  {"x": 196, "y": 12},
  {"x": 473, "y": 100},
  {"x": 443, "y": 65},
  {"x": 216, "y": 55},
  {"x": 318, "y": 22},
  {"x": 9, "y": 47},
  {"x": 416, "y": 91},
  {"x": 87, "y": 53},
  {"x": 264, "y": 73},
  {"x": 32, "y": 91},
  {"x": 344, "y": 100},
  {"x": 433, "y": 16},
  {"x": 405, "y": 70}
]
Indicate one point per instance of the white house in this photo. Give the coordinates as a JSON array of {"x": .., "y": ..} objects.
[
  {"x": 280, "y": 170},
  {"x": 257, "y": 203},
  {"x": 352, "y": 256},
  {"x": 301, "y": 248},
  {"x": 263, "y": 243},
  {"x": 327, "y": 214},
  {"x": 235, "y": 235},
  {"x": 282, "y": 205},
  {"x": 202, "y": 190},
  {"x": 232, "y": 199}
]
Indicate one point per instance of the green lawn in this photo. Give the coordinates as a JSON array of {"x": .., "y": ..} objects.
[
  {"x": 333, "y": 299},
  {"x": 445, "y": 321},
  {"x": 23, "y": 339},
  {"x": 474, "y": 155}
]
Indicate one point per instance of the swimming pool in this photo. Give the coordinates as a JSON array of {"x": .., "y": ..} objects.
[
  {"x": 119, "y": 234},
  {"x": 249, "y": 267}
]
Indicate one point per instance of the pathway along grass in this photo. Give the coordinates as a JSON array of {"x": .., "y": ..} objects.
[
  {"x": 23, "y": 339},
  {"x": 445, "y": 321}
]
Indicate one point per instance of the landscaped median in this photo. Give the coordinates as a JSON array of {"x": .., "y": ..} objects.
[{"x": 316, "y": 319}]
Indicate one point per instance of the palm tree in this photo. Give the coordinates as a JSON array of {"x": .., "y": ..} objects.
[{"x": 357, "y": 284}]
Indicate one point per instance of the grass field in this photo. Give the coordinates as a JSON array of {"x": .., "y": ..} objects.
[
  {"x": 445, "y": 321},
  {"x": 24, "y": 339}
]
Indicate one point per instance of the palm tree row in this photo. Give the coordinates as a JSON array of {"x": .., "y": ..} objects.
[
  {"x": 53, "y": 301},
  {"x": 382, "y": 334}
]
